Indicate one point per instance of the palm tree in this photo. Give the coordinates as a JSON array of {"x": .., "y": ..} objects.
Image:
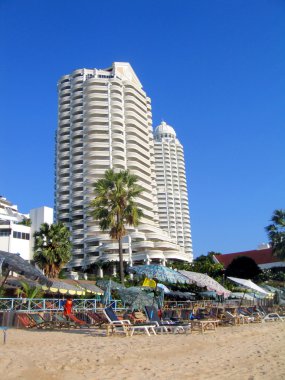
[
  {"x": 114, "y": 206},
  {"x": 52, "y": 248},
  {"x": 29, "y": 291},
  {"x": 276, "y": 233}
]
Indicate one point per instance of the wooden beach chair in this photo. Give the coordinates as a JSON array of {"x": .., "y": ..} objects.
[
  {"x": 97, "y": 318},
  {"x": 25, "y": 321},
  {"x": 79, "y": 322}
]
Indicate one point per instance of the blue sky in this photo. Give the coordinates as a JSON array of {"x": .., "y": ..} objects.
[{"x": 214, "y": 69}]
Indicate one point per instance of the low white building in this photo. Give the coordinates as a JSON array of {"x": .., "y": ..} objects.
[{"x": 18, "y": 238}]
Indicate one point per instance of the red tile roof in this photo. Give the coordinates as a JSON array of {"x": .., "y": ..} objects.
[{"x": 260, "y": 256}]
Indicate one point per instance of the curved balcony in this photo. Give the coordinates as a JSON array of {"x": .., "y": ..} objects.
[
  {"x": 91, "y": 127},
  {"x": 63, "y": 198},
  {"x": 65, "y": 107},
  {"x": 95, "y": 90},
  {"x": 118, "y": 130},
  {"x": 116, "y": 103},
  {"x": 118, "y": 135},
  {"x": 78, "y": 149},
  {"x": 95, "y": 173},
  {"x": 166, "y": 245},
  {"x": 137, "y": 235},
  {"x": 143, "y": 151},
  {"x": 97, "y": 112},
  {"x": 132, "y": 94},
  {"x": 115, "y": 120},
  {"x": 90, "y": 166},
  {"x": 118, "y": 154},
  {"x": 134, "y": 135},
  {"x": 119, "y": 164},
  {"x": 143, "y": 245},
  {"x": 97, "y": 119},
  {"x": 65, "y": 92},
  {"x": 95, "y": 96},
  {"x": 78, "y": 212},
  {"x": 77, "y": 73},
  {"x": 63, "y": 207},
  {"x": 175, "y": 255},
  {"x": 118, "y": 144},
  {"x": 63, "y": 215},
  {"x": 154, "y": 254},
  {"x": 64, "y": 115},
  {"x": 102, "y": 151},
  {"x": 142, "y": 177},
  {"x": 132, "y": 115}
]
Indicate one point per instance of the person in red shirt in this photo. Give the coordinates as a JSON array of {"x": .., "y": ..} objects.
[{"x": 67, "y": 310}]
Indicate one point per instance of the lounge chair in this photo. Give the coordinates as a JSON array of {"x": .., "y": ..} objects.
[
  {"x": 136, "y": 317},
  {"x": 165, "y": 326},
  {"x": 40, "y": 322},
  {"x": 79, "y": 322},
  {"x": 249, "y": 315},
  {"x": 25, "y": 320},
  {"x": 62, "y": 322},
  {"x": 96, "y": 318},
  {"x": 269, "y": 315},
  {"x": 227, "y": 318},
  {"x": 124, "y": 325}
]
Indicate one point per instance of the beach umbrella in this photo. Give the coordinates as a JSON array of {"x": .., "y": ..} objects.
[
  {"x": 179, "y": 294},
  {"x": 136, "y": 298},
  {"x": 247, "y": 296},
  {"x": 159, "y": 272},
  {"x": 90, "y": 288},
  {"x": 204, "y": 281},
  {"x": 62, "y": 287},
  {"x": 108, "y": 283},
  {"x": 248, "y": 284},
  {"x": 15, "y": 263}
]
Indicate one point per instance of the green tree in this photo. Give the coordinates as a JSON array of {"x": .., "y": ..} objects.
[
  {"x": 52, "y": 248},
  {"x": 29, "y": 291},
  {"x": 243, "y": 267},
  {"x": 25, "y": 222},
  {"x": 206, "y": 264},
  {"x": 276, "y": 233},
  {"x": 114, "y": 206},
  {"x": 202, "y": 264}
]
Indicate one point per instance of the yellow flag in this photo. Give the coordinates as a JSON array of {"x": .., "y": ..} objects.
[{"x": 150, "y": 283}]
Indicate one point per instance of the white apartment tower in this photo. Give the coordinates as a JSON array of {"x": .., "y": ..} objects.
[
  {"x": 172, "y": 195},
  {"x": 105, "y": 121}
]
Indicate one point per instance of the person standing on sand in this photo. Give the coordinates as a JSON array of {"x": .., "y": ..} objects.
[{"x": 67, "y": 309}]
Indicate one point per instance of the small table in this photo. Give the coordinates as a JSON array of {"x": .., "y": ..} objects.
[{"x": 204, "y": 325}]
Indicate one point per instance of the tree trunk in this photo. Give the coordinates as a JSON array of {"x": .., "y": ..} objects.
[{"x": 121, "y": 261}]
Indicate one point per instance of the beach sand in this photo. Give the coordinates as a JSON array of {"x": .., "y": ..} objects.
[{"x": 248, "y": 352}]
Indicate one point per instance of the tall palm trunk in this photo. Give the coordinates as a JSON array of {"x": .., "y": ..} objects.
[{"x": 121, "y": 260}]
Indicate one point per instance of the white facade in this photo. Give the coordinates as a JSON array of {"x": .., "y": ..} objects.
[
  {"x": 173, "y": 209},
  {"x": 105, "y": 121},
  {"x": 39, "y": 216},
  {"x": 17, "y": 238}
]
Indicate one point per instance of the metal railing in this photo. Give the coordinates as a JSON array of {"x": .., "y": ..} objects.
[{"x": 52, "y": 304}]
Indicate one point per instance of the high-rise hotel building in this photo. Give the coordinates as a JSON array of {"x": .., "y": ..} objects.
[
  {"x": 172, "y": 195},
  {"x": 105, "y": 121}
]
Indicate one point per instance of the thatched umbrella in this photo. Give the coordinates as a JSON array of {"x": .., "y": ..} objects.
[{"x": 15, "y": 263}]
